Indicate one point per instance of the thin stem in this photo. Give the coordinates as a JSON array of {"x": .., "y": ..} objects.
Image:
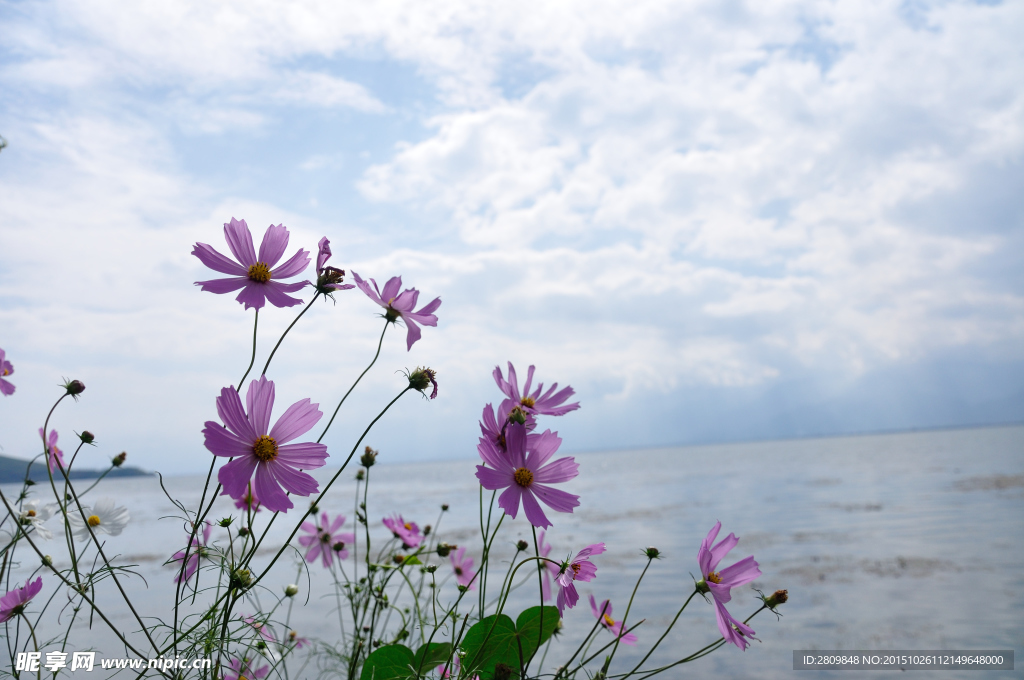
[
  {"x": 281, "y": 339},
  {"x": 252, "y": 361},
  {"x": 663, "y": 635},
  {"x": 625, "y": 616},
  {"x": 338, "y": 407}
]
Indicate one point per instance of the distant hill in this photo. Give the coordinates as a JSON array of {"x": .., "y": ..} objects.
[{"x": 12, "y": 471}]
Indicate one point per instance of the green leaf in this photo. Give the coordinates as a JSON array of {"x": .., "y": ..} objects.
[
  {"x": 528, "y": 628},
  {"x": 412, "y": 559},
  {"x": 489, "y": 642},
  {"x": 430, "y": 656},
  {"x": 391, "y": 662}
]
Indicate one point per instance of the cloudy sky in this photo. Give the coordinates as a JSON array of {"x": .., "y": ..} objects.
[{"x": 717, "y": 220}]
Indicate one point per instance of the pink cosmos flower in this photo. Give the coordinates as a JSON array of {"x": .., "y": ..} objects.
[
  {"x": 721, "y": 582},
  {"x": 299, "y": 642},
  {"x": 258, "y": 277},
  {"x": 408, "y": 532},
  {"x": 54, "y": 456},
  {"x": 241, "y": 670},
  {"x": 535, "y": 403},
  {"x": 493, "y": 428},
  {"x": 276, "y": 463},
  {"x": 322, "y": 541},
  {"x": 604, "y": 615},
  {"x": 550, "y": 570},
  {"x": 454, "y": 669},
  {"x": 399, "y": 306},
  {"x": 249, "y": 500},
  {"x": 197, "y": 550},
  {"x": 13, "y": 603},
  {"x": 328, "y": 279},
  {"x": 524, "y": 476},
  {"x": 576, "y": 569},
  {"x": 5, "y": 370},
  {"x": 261, "y": 628},
  {"x": 463, "y": 567}
]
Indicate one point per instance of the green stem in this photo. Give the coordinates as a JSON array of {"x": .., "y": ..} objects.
[
  {"x": 252, "y": 361},
  {"x": 338, "y": 407},
  {"x": 625, "y": 616},
  {"x": 281, "y": 339},
  {"x": 663, "y": 635}
]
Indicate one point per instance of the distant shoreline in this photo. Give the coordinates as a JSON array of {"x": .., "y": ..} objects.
[{"x": 12, "y": 471}]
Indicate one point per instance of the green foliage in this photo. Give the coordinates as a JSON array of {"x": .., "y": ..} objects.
[
  {"x": 430, "y": 656},
  {"x": 397, "y": 662},
  {"x": 496, "y": 639}
]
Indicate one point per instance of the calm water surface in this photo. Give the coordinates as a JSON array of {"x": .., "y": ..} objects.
[{"x": 898, "y": 541}]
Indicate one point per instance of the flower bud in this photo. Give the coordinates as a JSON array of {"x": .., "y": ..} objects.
[
  {"x": 313, "y": 508},
  {"x": 291, "y": 590},
  {"x": 776, "y": 598},
  {"x": 502, "y": 671},
  {"x": 74, "y": 388},
  {"x": 651, "y": 552},
  {"x": 260, "y": 644},
  {"x": 243, "y": 532},
  {"x": 426, "y": 530},
  {"x": 399, "y": 559},
  {"x": 241, "y": 579},
  {"x": 47, "y": 561},
  {"x": 422, "y": 378},
  {"x": 360, "y": 475},
  {"x": 522, "y": 545},
  {"x": 443, "y": 549},
  {"x": 444, "y": 507},
  {"x": 368, "y": 458},
  {"x": 338, "y": 547},
  {"x": 430, "y": 568},
  {"x": 87, "y": 437},
  {"x": 517, "y": 415},
  {"x": 119, "y": 459},
  {"x": 226, "y": 522}
]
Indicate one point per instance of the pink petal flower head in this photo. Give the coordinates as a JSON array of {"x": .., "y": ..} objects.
[
  {"x": 463, "y": 567},
  {"x": 536, "y": 403},
  {"x": 720, "y": 583},
  {"x": 324, "y": 541},
  {"x": 328, "y": 279},
  {"x": 196, "y": 551},
  {"x": 258, "y": 448},
  {"x": 13, "y": 603},
  {"x": 604, "y": 615},
  {"x": 299, "y": 642},
  {"x": 525, "y": 474},
  {"x": 454, "y": 669},
  {"x": 578, "y": 568},
  {"x": 6, "y": 388},
  {"x": 242, "y": 670},
  {"x": 259, "y": 277},
  {"x": 54, "y": 456},
  {"x": 261, "y": 628},
  {"x": 249, "y": 501},
  {"x": 550, "y": 570},
  {"x": 407, "y": 532},
  {"x": 400, "y": 305},
  {"x": 493, "y": 428}
]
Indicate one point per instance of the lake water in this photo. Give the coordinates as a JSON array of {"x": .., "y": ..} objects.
[{"x": 886, "y": 542}]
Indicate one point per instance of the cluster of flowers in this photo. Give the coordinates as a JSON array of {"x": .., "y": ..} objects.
[{"x": 267, "y": 465}]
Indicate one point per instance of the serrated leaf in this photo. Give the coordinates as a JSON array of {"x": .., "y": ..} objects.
[
  {"x": 489, "y": 642},
  {"x": 391, "y": 662},
  {"x": 430, "y": 656}
]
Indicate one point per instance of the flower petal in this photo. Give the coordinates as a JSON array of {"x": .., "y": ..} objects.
[
  {"x": 269, "y": 491},
  {"x": 492, "y": 480},
  {"x": 221, "y": 286},
  {"x": 296, "y": 264},
  {"x": 304, "y": 455},
  {"x": 292, "y": 480},
  {"x": 556, "y": 499},
  {"x": 296, "y": 421},
  {"x": 221, "y": 442},
  {"x": 236, "y": 233},
  {"x": 534, "y": 514},
  {"x": 390, "y": 289},
  {"x": 235, "y": 476},
  {"x": 253, "y": 295},
  {"x": 213, "y": 259},
  {"x": 275, "y": 240},
  {"x": 229, "y": 408},
  {"x": 275, "y": 293},
  {"x": 509, "y": 500},
  {"x": 260, "y": 401}
]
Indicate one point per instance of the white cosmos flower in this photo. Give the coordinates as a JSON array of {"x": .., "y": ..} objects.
[
  {"x": 103, "y": 517},
  {"x": 34, "y": 514}
]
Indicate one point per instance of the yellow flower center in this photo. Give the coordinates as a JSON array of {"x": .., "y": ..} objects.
[
  {"x": 325, "y": 538},
  {"x": 408, "y": 527},
  {"x": 259, "y": 272},
  {"x": 94, "y": 520},
  {"x": 524, "y": 477},
  {"x": 609, "y": 621},
  {"x": 458, "y": 571},
  {"x": 527, "y": 402},
  {"x": 30, "y": 513},
  {"x": 575, "y": 570},
  {"x": 6, "y": 372},
  {"x": 714, "y": 577},
  {"x": 265, "y": 449}
]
